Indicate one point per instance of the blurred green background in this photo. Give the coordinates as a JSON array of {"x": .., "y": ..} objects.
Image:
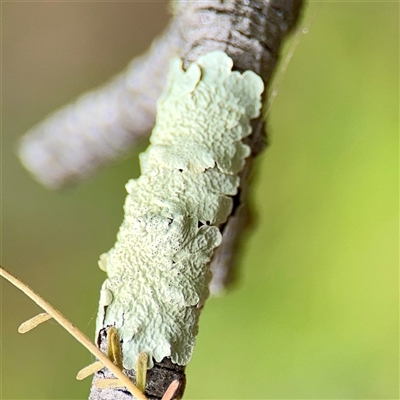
[{"x": 315, "y": 312}]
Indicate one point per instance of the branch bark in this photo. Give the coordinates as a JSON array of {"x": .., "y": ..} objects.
[
  {"x": 251, "y": 34},
  {"x": 102, "y": 125}
]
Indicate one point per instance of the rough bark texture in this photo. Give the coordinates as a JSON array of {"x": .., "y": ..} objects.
[
  {"x": 100, "y": 126},
  {"x": 251, "y": 34},
  {"x": 158, "y": 379}
]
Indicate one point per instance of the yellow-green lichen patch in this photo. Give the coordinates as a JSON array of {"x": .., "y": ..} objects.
[{"x": 157, "y": 271}]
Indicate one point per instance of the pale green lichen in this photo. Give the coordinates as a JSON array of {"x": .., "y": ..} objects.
[{"x": 158, "y": 270}]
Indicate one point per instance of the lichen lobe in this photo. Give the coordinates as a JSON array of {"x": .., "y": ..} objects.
[{"x": 158, "y": 270}]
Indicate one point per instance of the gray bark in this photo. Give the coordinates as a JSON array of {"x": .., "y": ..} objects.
[
  {"x": 102, "y": 125},
  {"x": 158, "y": 379},
  {"x": 251, "y": 34}
]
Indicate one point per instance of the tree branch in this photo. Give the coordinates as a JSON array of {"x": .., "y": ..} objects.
[
  {"x": 251, "y": 34},
  {"x": 100, "y": 126}
]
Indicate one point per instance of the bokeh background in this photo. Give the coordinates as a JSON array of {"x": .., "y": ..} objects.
[{"x": 314, "y": 314}]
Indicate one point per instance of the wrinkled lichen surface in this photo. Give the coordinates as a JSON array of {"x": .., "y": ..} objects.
[{"x": 158, "y": 270}]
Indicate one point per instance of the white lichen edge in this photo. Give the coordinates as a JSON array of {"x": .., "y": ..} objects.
[{"x": 158, "y": 270}]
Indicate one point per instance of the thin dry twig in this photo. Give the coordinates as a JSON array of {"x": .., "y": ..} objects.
[
  {"x": 89, "y": 370},
  {"x": 34, "y": 322},
  {"x": 169, "y": 393},
  {"x": 141, "y": 370},
  {"x": 114, "y": 350},
  {"x": 108, "y": 383},
  {"x": 73, "y": 330}
]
